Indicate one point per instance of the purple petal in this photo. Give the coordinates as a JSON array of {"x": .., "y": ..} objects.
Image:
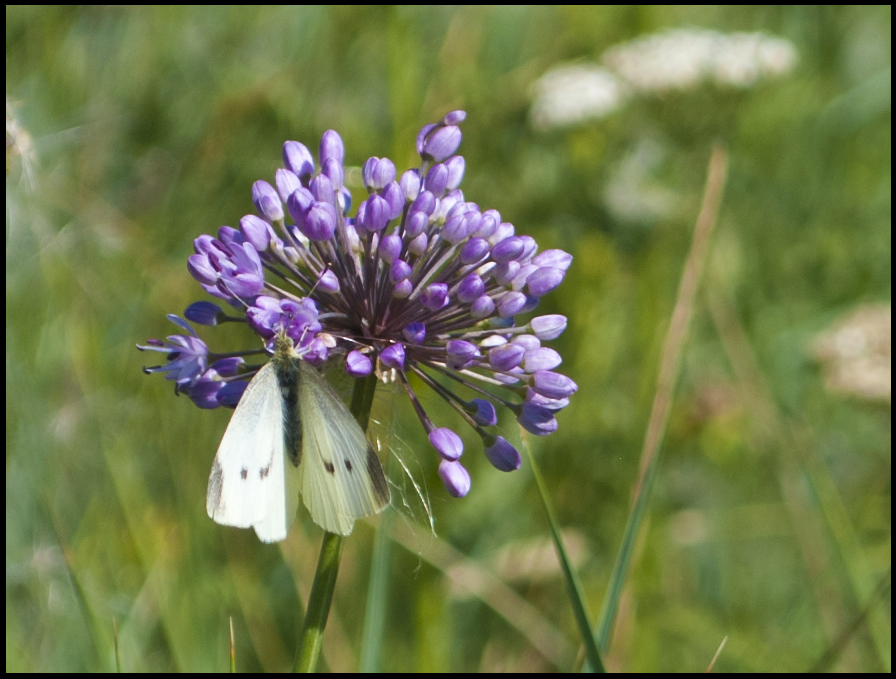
[
  {"x": 435, "y": 296},
  {"x": 358, "y": 364},
  {"x": 470, "y": 288},
  {"x": 393, "y": 356},
  {"x": 298, "y": 159},
  {"x": 414, "y": 333}
]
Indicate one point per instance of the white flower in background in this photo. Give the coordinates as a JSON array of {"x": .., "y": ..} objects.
[
  {"x": 856, "y": 353},
  {"x": 572, "y": 94},
  {"x": 680, "y": 59}
]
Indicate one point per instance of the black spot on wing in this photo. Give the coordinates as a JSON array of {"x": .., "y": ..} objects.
[
  {"x": 329, "y": 467},
  {"x": 348, "y": 465},
  {"x": 375, "y": 470},
  {"x": 264, "y": 471},
  {"x": 244, "y": 473}
]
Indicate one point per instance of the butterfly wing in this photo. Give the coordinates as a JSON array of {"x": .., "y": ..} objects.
[
  {"x": 341, "y": 476},
  {"x": 252, "y": 482}
]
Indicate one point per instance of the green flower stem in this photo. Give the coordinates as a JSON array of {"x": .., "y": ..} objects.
[{"x": 311, "y": 639}]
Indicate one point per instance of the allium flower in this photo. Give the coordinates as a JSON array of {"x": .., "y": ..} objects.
[{"x": 419, "y": 283}]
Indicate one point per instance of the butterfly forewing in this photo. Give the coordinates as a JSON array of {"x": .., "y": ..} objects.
[{"x": 253, "y": 482}]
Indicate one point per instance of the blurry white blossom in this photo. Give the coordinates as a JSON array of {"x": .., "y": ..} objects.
[
  {"x": 633, "y": 193},
  {"x": 856, "y": 353},
  {"x": 680, "y": 59},
  {"x": 572, "y": 94}
]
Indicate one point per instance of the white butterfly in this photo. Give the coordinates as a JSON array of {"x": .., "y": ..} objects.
[{"x": 292, "y": 434}]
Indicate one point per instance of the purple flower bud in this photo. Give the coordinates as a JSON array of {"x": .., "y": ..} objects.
[
  {"x": 470, "y": 288},
  {"x": 557, "y": 259},
  {"x": 536, "y": 419},
  {"x": 505, "y": 357},
  {"x": 548, "y": 327},
  {"x": 455, "y": 230},
  {"x": 403, "y": 289},
  {"x": 394, "y": 196},
  {"x": 376, "y": 215},
  {"x": 530, "y": 247},
  {"x": 257, "y": 232},
  {"x": 328, "y": 281},
  {"x": 542, "y": 358},
  {"x": 228, "y": 235},
  {"x": 483, "y": 307},
  {"x": 421, "y": 136},
  {"x": 390, "y": 248},
  {"x": 553, "y": 404},
  {"x": 399, "y": 270},
  {"x": 267, "y": 201},
  {"x": 434, "y": 296},
  {"x": 287, "y": 181},
  {"x": 460, "y": 353},
  {"x": 527, "y": 342},
  {"x": 357, "y": 364},
  {"x": 204, "y": 313},
  {"x": 506, "y": 272},
  {"x": 416, "y": 223},
  {"x": 410, "y": 184},
  {"x": 442, "y": 143},
  {"x": 544, "y": 280},
  {"x": 503, "y": 231},
  {"x": 377, "y": 172},
  {"x": 334, "y": 170},
  {"x": 437, "y": 180},
  {"x": 510, "y": 304},
  {"x": 503, "y": 456},
  {"x": 483, "y": 412},
  {"x": 320, "y": 221},
  {"x": 229, "y": 367},
  {"x": 425, "y": 203},
  {"x": 331, "y": 146},
  {"x": 456, "y": 167},
  {"x": 393, "y": 356},
  {"x": 298, "y": 203},
  {"x": 455, "y": 117},
  {"x": 519, "y": 281},
  {"x": 455, "y": 478},
  {"x": 488, "y": 225},
  {"x": 322, "y": 189},
  {"x": 553, "y": 385},
  {"x": 446, "y": 443},
  {"x": 474, "y": 250},
  {"x": 418, "y": 245},
  {"x": 414, "y": 333},
  {"x": 508, "y": 249},
  {"x": 298, "y": 159}
]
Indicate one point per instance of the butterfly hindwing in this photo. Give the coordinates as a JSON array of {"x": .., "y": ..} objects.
[{"x": 341, "y": 476}]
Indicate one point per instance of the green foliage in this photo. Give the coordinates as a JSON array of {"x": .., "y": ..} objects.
[{"x": 141, "y": 128}]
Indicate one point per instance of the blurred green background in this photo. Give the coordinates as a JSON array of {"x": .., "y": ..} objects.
[{"x": 132, "y": 131}]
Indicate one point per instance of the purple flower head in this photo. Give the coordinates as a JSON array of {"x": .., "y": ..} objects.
[{"x": 419, "y": 285}]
